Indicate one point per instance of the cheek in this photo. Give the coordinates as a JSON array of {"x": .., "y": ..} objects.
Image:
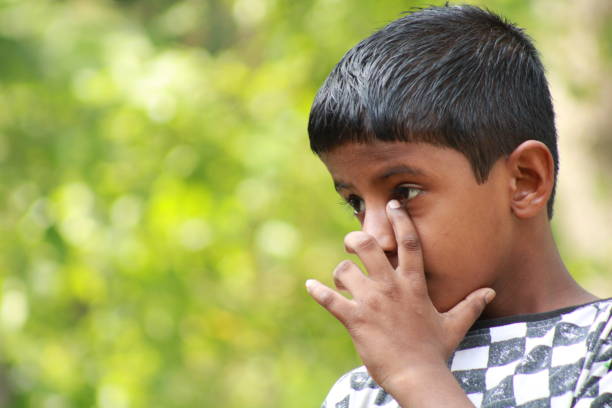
[
  {"x": 457, "y": 262},
  {"x": 445, "y": 247},
  {"x": 460, "y": 244},
  {"x": 463, "y": 247}
]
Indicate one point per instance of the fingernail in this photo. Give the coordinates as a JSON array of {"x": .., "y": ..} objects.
[
  {"x": 490, "y": 296},
  {"x": 309, "y": 284},
  {"x": 394, "y": 204}
]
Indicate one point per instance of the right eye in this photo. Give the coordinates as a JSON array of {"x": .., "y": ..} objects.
[{"x": 356, "y": 204}]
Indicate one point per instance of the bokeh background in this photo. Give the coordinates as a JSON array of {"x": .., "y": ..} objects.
[{"x": 160, "y": 209}]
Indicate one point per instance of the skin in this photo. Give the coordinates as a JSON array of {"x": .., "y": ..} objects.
[{"x": 440, "y": 251}]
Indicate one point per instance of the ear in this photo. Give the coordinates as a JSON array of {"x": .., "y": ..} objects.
[{"x": 532, "y": 171}]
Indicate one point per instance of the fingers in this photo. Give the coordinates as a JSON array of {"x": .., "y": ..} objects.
[
  {"x": 369, "y": 251},
  {"x": 465, "y": 313},
  {"x": 348, "y": 276},
  {"x": 410, "y": 256},
  {"x": 336, "y": 304}
]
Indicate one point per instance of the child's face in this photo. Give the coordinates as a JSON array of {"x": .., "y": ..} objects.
[{"x": 465, "y": 228}]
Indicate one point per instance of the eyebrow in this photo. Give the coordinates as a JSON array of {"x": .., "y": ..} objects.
[{"x": 393, "y": 171}]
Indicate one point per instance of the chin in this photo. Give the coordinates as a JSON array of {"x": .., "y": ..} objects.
[
  {"x": 442, "y": 298},
  {"x": 442, "y": 307}
]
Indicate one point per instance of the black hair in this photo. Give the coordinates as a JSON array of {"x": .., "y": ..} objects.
[{"x": 453, "y": 76}]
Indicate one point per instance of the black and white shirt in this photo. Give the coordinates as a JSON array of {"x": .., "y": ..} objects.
[{"x": 558, "y": 359}]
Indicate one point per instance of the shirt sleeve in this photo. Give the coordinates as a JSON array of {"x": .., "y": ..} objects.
[
  {"x": 597, "y": 390},
  {"x": 339, "y": 394},
  {"x": 598, "y": 395},
  {"x": 356, "y": 389}
]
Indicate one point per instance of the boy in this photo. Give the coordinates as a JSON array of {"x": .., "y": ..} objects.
[{"x": 439, "y": 131}]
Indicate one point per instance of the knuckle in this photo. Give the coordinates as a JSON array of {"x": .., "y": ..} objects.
[
  {"x": 389, "y": 291},
  {"x": 342, "y": 268},
  {"x": 365, "y": 243},
  {"x": 410, "y": 242},
  {"x": 478, "y": 306},
  {"x": 341, "y": 272},
  {"x": 415, "y": 284},
  {"x": 326, "y": 299},
  {"x": 373, "y": 303},
  {"x": 348, "y": 238},
  {"x": 473, "y": 310},
  {"x": 359, "y": 240},
  {"x": 474, "y": 306},
  {"x": 358, "y": 318}
]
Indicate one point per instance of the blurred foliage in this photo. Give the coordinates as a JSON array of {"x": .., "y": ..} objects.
[{"x": 160, "y": 207}]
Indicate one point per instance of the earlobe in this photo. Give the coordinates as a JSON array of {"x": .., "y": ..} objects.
[{"x": 532, "y": 171}]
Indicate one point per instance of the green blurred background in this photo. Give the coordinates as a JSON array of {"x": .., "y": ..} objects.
[{"x": 160, "y": 209}]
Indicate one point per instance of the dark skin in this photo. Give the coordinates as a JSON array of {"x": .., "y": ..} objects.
[{"x": 440, "y": 250}]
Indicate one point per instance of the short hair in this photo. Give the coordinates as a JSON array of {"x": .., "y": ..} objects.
[{"x": 455, "y": 76}]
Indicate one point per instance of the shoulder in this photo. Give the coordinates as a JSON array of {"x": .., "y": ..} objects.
[
  {"x": 559, "y": 357},
  {"x": 594, "y": 387},
  {"x": 356, "y": 389},
  {"x": 568, "y": 324},
  {"x": 577, "y": 332}
]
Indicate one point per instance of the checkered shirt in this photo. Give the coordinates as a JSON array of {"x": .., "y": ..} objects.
[{"x": 558, "y": 359}]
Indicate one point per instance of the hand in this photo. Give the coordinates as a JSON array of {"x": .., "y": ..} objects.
[{"x": 395, "y": 327}]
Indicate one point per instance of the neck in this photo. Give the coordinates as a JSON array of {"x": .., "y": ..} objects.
[{"x": 535, "y": 279}]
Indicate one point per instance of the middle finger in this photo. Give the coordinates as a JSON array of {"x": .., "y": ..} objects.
[
  {"x": 371, "y": 254},
  {"x": 409, "y": 252}
]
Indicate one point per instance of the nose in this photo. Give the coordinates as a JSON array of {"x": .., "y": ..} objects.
[{"x": 377, "y": 224}]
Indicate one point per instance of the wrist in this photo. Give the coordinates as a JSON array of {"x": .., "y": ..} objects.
[
  {"x": 412, "y": 388},
  {"x": 415, "y": 376}
]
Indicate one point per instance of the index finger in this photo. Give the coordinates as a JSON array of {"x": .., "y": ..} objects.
[{"x": 409, "y": 253}]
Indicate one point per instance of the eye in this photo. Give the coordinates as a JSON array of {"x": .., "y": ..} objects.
[
  {"x": 406, "y": 192},
  {"x": 356, "y": 204}
]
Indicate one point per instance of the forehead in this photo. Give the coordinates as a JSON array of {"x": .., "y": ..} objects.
[{"x": 357, "y": 160}]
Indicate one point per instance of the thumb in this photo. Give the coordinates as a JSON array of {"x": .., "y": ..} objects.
[{"x": 461, "y": 317}]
